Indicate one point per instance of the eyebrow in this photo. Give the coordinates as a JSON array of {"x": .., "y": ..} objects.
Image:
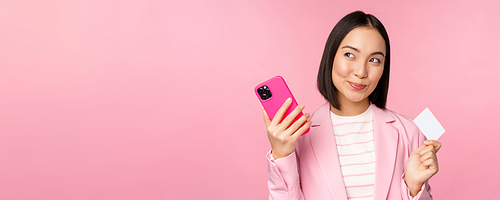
[{"x": 357, "y": 50}]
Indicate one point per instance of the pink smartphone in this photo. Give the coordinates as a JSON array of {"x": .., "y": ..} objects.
[{"x": 273, "y": 93}]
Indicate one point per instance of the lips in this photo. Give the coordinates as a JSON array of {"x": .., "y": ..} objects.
[{"x": 357, "y": 86}]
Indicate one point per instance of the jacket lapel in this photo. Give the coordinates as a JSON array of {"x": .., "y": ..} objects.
[
  {"x": 324, "y": 146},
  {"x": 325, "y": 149},
  {"x": 386, "y": 140}
]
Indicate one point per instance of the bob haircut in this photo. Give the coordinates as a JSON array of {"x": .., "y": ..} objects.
[{"x": 343, "y": 27}]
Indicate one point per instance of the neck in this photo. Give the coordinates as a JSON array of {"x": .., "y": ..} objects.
[{"x": 349, "y": 108}]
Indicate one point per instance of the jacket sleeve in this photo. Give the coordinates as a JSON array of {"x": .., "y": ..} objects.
[
  {"x": 283, "y": 178},
  {"x": 423, "y": 194}
]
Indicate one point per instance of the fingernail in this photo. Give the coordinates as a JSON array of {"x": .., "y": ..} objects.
[
  {"x": 289, "y": 100},
  {"x": 301, "y": 105}
]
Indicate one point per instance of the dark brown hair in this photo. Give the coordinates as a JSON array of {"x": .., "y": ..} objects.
[{"x": 343, "y": 27}]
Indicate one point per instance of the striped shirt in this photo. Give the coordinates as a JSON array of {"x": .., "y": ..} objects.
[{"x": 356, "y": 149}]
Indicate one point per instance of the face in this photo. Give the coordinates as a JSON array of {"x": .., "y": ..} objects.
[{"x": 358, "y": 65}]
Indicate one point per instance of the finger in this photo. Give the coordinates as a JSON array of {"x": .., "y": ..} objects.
[
  {"x": 431, "y": 164},
  {"x": 289, "y": 119},
  {"x": 427, "y": 163},
  {"x": 429, "y": 156},
  {"x": 434, "y": 166},
  {"x": 302, "y": 130},
  {"x": 281, "y": 112},
  {"x": 296, "y": 125},
  {"x": 427, "y": 149},
  {"x": 267, "y": 120},
  {"x": 437, "y": 145},
  {"x": 426, "y": 156},
  {"x": 417, "y": 150}
]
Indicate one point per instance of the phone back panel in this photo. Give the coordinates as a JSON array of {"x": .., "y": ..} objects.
[{"x": 280, "y": 93}]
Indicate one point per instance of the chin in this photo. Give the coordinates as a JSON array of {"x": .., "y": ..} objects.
[{"x": 357, "y": 99}]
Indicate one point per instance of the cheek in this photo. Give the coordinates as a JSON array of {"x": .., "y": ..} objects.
[
  {"x": 340, "y": 69},
  {"x": 376, "y": 74}
]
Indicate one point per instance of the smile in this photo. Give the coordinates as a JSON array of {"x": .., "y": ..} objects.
[{"x": 357, "y": 86}]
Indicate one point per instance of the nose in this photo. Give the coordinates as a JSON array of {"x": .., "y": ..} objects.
[{"x": 360, "y": 70}]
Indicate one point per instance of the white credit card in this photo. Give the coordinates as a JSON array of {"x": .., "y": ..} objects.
[{"x": 429, "y": 125}]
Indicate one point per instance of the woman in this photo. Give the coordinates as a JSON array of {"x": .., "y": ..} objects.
[{"x": 356, "y": 148}]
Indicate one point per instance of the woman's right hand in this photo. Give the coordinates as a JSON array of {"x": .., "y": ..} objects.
[{"x": 282, "y": 136}]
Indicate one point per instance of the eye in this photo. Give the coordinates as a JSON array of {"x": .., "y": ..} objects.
[
  {"x": 375, "y": 60},
  {"x": 350, "y": 55}
]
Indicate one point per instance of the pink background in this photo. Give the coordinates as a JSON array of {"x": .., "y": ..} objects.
[{"x": 154, "y": 99}]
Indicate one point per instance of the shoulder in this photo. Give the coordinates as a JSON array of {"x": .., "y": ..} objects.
[
  {"x": 407, "y": 121},
  {"x": 325, "y": 107},
  {"x": 408, "y": 130},
  {"x": 321, "y": 114},
  {"x": 401, "y": 122}
]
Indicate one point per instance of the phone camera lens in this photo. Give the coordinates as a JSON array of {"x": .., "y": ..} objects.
[{"x": 264, "y": 92}]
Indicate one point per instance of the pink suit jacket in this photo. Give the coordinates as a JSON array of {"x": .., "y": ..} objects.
[{"x": 313, "y": 170}]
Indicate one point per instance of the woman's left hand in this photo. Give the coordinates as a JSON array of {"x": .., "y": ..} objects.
[{"x": 422, "y": 165}]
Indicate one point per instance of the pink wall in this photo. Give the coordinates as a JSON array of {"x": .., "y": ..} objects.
[{"x": 154, "y": 99}]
